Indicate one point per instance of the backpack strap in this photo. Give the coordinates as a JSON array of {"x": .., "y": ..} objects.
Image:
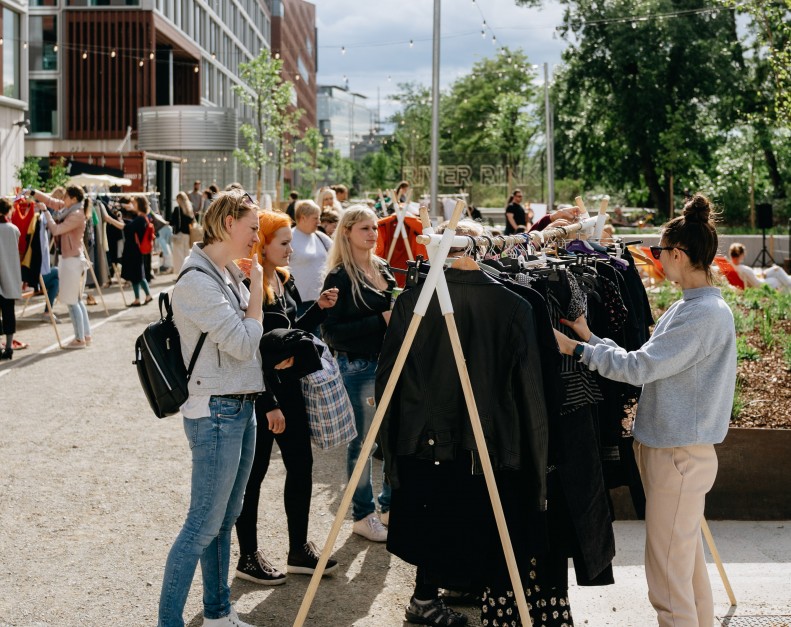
[{"x": 169, "y": 309}]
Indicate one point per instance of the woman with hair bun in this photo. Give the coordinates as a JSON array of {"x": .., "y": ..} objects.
[{"x": 688, "y": 373}]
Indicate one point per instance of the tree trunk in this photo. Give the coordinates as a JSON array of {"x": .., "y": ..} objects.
[
  {"x": 775, "y": 176},
  {"x": 658, "y": 195}
]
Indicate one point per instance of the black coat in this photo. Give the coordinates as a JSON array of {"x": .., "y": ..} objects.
[
  {"x": 428, "y": 417},
  {"x": 356, "y": 327},
  {"x": 286, "y": 392}
]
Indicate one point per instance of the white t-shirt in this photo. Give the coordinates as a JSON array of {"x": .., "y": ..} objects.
[{"x": 307, "y": 262}]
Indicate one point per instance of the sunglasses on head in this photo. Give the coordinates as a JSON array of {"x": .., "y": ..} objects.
[{"x": 656, "y": 251}]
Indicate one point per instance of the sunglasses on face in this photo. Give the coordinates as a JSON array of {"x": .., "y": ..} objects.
[{"x": 656, "y": 251}]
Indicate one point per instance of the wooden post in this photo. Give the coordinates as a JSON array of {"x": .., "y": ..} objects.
[
  {"x": 704, "y": 526},
  {"x": 49, "y": 307},
  {"x": 98, "y": 288},
  {"x": 120, "y": 283}
]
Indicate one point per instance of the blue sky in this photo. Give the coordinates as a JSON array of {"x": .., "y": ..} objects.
[{"x": 376, "y": 36}]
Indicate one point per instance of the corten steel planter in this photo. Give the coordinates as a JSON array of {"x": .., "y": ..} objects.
[{"x": 753, "y": 480}]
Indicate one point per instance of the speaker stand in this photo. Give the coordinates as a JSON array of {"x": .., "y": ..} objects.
[{"x": 764, "y": 253}]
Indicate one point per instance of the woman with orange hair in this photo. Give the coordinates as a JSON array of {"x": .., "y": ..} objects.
[{"x": 286, "y": 419}]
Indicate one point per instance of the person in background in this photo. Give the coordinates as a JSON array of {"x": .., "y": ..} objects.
[
  {"x": 326, "y": 200},
  {"x": 10, "y": 278},
  {"x": 775, "y": 277},
  {"x": 181, "y": 219},
  {"x": 68, "y": 224},
  {"x": 687, "y": 371},
  {"x": 515, "y": 215},
  {"x": 310, "y": 253},
  {"x": 195, "y": 196},
  {"x": 164, "y": 235},
  {"x": 354, "y": 330},
  {"x": 341, "y": 194},
  {"x": 283, "y": 418},
  {"x": 133, "y": 259},
  {"x": 219, "y": 415},
  {"x": 207, "y": 198},
  {"x": 292, "y": 203},
  {"x": 328, "y": 222},
  {"x": 529, "y": 216},
  {"x": 401, "y": 191},
  {"x": 214, "y": 190}
]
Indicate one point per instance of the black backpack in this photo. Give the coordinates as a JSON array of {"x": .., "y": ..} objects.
[{"x": 159, "y": 362}]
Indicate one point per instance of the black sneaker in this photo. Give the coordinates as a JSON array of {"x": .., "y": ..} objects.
[
  {"x": 304, "y": 560},
  {"x": 255, "y": 567},
  {"x": 433, "y": 613}
]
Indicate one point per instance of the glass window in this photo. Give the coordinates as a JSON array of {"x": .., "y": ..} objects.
[
  {"x": 44, "y": 107},
  {"x": 43, "y": 39},
  {"x": 10, "y": 52},
  {"x": 43, "y": 3}
]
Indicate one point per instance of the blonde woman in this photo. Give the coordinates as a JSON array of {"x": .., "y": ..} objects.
[
  {"x": 219, "y": 415},
  {"x": 355, "y": 329},
  {"x": 181, "y": 220},
  {"x": 327, "y": 200}
]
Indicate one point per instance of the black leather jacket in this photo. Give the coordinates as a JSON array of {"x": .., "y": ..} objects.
[
  {"x": 428, "y": 417},
  {"x": 356, "y": 328}
]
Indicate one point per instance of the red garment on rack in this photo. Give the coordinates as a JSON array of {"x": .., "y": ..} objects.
[
  {"x": 21, "y": 217},
  {"x": 387, "y": 227}
]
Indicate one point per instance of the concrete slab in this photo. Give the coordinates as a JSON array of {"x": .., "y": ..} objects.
[{"x": 757, "y": 560}]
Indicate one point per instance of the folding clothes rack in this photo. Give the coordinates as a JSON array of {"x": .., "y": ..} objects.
[
  {"x": 400, "y": 213},
  {"x": 435, "y": 282}
]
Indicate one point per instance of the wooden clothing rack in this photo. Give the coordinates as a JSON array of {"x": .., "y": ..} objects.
[
  {"x": 400, "y": 214},
  {"x": 435, "y": 282}
]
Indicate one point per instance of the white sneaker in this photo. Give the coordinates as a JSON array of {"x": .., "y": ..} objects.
[
  {"x": 45, "y": 317},
  {"x": 371, "y": 528},
  {"x": 232, "y": 620},
  {"x": 385, "y": 518}
]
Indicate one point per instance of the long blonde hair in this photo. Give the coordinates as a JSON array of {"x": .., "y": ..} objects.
[
  {"x": 185, "y": 204},
  {"x": 340, "y": 253}
]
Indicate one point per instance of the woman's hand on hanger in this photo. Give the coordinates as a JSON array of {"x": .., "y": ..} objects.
[
  {"x": 571, "y": 214},
  {"x": 580, "y": 327},
  {"x": 557, "y": 223}
]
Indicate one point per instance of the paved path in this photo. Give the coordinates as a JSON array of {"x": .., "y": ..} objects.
[{"x": 93, "y": 489}]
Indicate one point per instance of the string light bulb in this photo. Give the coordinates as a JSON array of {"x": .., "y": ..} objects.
[
  {"x": 24, "y": 45},
  {"x": 411, "y": 43},
  {"x": 84, "y": 56},
  {"x": 1, "y": 40},
  {"x": 196, "y": 69},
  {"x": 112, "y": 54},
  {"x": 55, "y": 48},
  {"x": 141, "y": 63},
  {"x": 151, "y": 55},
  {"x": 343, "y": 49}
]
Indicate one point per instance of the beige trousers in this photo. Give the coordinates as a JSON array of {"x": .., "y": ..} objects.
[{"x": 676, "y": 481}]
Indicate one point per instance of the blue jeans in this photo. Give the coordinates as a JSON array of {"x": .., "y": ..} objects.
[
  {"x": 164, "y": 239},
  {"x": 79, "y": 320},
  {"x": 223, "y": 447},
  {"x": 359, "y": 376}
]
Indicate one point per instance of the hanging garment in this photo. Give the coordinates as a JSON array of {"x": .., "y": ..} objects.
[
  {"x": 22, "y": 217},
  {"x": 387, "y": 227}
]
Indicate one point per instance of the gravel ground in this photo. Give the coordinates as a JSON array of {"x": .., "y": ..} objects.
[{"x": 93, "y": 490}]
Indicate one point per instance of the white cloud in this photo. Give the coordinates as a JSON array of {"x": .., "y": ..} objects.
[{"x": 376, "y": 36}]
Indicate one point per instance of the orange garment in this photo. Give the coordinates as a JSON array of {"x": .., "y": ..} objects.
[
  {"x": 387, "y": 227},
  {"x": 729, "y": 272},
  {"x": 22, "y": 218}
]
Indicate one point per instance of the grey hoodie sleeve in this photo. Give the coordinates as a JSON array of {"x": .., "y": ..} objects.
[
  {"x": 670, "y": 350},
  {"x": 201, "y": 300}
]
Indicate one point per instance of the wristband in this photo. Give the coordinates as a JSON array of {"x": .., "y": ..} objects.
[{"x": 579, "y": 350}]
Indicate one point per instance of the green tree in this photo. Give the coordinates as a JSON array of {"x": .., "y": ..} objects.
[
  {"x": 480, "y": 105},
  {"x": 269, "y": 137},
  {"x": 58, "y": 175},
  {"x": 412, "y": 136},
  {"x": 636, "y": 93},
  {"x": 28, "y": 173},
  {"x": 309, "y": 156}
]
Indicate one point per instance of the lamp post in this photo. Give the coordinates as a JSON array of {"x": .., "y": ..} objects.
[
  {"x": 550, "y": 149},
  {"x": 435, "y": 113}
]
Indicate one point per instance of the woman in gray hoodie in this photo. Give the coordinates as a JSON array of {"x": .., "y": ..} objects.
[{"x": 688, "y": 373}]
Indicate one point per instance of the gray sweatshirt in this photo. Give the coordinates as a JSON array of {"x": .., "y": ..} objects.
[
  {"x": 230, "y": 361},
  {"x": 687, "y": 370}
]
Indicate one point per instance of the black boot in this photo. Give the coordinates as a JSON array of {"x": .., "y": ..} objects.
[{"x": 6, "y": 353}]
